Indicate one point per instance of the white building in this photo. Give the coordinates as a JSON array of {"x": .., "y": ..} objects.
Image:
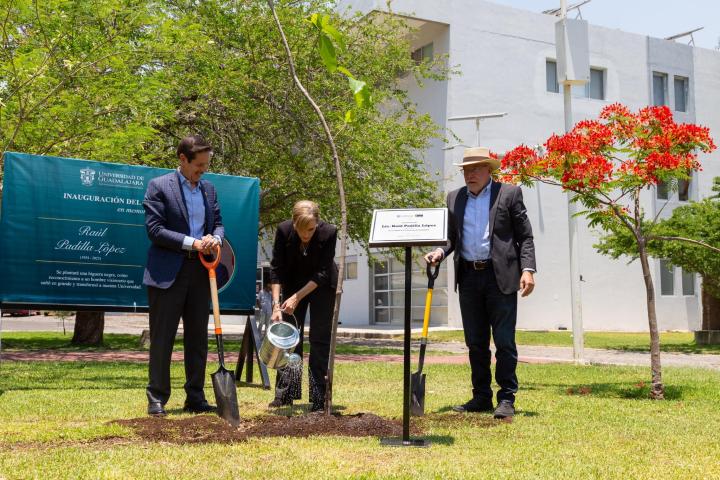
[{"x": 507, "y": 62}]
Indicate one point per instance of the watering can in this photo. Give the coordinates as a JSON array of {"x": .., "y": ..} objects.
[{"x": 280, "y": 338}]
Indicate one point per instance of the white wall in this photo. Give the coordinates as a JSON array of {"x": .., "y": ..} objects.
[{"x": 501, "y": 52}]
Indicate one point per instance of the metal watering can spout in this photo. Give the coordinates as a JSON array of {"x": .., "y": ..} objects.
[
  {"x": 279, "y": 340},
  {"x": 293, "y": 360}
]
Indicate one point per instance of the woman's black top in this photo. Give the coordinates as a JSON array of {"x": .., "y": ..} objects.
[{"x": 293, "y": 267}]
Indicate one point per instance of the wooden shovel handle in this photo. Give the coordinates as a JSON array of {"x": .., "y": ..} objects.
[{"x": 213, "y": 288}]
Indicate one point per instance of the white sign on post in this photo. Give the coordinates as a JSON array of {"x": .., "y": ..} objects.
[{"x": 405, "y": 227}]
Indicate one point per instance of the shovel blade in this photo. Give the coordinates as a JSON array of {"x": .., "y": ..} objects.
[
  {"x": 226, "y": 396},
  {"x": 417, "y": 394}
]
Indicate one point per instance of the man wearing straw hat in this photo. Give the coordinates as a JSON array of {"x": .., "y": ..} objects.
[{"x": 491, "y": 236}]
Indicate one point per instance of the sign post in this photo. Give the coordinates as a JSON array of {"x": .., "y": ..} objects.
[{"x": 408, "y": 228}]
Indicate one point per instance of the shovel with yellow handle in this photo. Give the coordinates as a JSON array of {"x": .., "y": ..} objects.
[
  {"x": 223, "y": 380},
  {"x": 417, "y": 379}
]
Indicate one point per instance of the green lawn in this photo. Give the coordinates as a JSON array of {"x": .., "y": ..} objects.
[
  {"x": 15, "y": 341},
  {"x": 54, "y": 424},
  {"x": 637, "y": 342}
]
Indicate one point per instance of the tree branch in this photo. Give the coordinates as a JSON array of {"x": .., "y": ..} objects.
[{"x": 686, "y": 240}]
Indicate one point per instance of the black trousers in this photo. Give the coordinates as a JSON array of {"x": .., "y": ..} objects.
[
  {"x": 321, "y": 302},
  {"x": 484, "y": 308},
  {"x": 188, "y": 297}
]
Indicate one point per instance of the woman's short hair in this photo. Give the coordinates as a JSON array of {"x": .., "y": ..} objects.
[{"x": 304, "y": 213}]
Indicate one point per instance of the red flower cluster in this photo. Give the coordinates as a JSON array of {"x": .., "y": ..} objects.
[
  {"x": 619, "y": 148},
  {"x": 592, "y": 172}
]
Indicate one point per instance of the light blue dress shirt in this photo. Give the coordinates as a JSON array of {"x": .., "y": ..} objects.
[
  {"x": 476, "y": 225},
  {"x": 195, "y": 205}
]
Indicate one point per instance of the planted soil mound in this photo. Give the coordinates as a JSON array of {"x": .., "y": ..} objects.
[{"x": 212, "y": 429}]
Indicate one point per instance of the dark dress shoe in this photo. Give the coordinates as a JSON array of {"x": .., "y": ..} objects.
[
  {"x": 475, "y": 405},
  {"x": 278, "y": 402},
  {"x": 156, "y": 409},
  {"x": 504, "y": 409},
  {"x": 201, "y": 407}
]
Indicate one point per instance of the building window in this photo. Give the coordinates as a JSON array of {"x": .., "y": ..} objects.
[
  {"x": 423, "y": 53},
  {"x": 683, "y": 189},
  {"x": 659, "y": 88},
  {"x": 350, "y": 267},
  {"x": 596, "y": 87},
  {"x": 667, "y": 278},
  {"x": 388, "y": 296},
  {"x": 664, "y": 189},
  {"x": 551, "y": 79},
  {"x": 681, "y": 93},
  {"x": 688, "y": 282}
]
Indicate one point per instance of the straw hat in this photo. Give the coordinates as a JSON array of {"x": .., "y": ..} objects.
[{"x": 478, "y": 156}]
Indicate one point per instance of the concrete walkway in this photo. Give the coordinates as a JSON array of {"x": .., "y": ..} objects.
[{"x": 452, "y": 352}]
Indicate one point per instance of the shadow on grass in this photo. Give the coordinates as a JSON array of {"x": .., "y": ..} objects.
[
  {"x": 74, "y": 376},
  {"x": 439, "y": 439},
  {"x": 627, "y": 391},
  {"x": 449, "y": 409}
]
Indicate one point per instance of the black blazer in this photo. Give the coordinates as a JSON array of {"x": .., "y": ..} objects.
[
  {"x": 292, "y": 269},
  {"x": 167, "y": 223},
  {"x": 511, "y": 239}
]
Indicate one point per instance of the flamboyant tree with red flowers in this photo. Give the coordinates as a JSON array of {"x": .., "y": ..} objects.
[{"x": 606, "y": 163}]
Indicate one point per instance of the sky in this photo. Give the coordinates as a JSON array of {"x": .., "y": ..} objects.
[{"x": 656, "y": 18}]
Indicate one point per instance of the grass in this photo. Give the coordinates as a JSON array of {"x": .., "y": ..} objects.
[
  {"x": 683, "y": 342},
  {"x": 16, "y": 341},
  {"x": 54, "y": 424}
]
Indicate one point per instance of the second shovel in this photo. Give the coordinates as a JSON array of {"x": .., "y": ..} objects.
[{"x": 417, "y": 379}]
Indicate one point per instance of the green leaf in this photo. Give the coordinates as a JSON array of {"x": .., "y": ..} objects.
[
  {"x": 356, "y": 85},
  {"x": 332, "y": 32},
  {"x": 327, "y": 53},
  {"x": 361, "y": 92},
  {"x": 350, "y": 116},
  {"x": 363, "y": 98},
  {"x": 314, "y": 20},
  {"x": 345, "y": 72}
]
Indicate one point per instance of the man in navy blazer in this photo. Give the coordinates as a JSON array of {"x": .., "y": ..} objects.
[
  {"x": 182, "y": 218},
  {"x": 491, "y": 236}
]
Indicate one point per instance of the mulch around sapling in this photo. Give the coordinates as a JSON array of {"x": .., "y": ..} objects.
[{"x": 213, "y": 429}]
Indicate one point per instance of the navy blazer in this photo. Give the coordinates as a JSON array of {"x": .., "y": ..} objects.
[
  {"x": 511, "y": 239},
  {"x": 167, "y": 223}
]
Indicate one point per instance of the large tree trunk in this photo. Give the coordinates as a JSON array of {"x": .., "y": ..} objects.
[
  {"x": 711, "y": 309},
  {"x": 657, "y": 390},
  {"x": 89, "y": 328}
]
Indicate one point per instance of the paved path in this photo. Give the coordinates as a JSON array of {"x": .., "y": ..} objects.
[{"x": 527, "y": 354}]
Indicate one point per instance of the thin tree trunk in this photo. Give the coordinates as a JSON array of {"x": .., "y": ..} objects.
[
  {"x": 657, "y": 390},
  {"x": 343, "y": 211},
  {"x": 711, "y": 309},
  {"x": 89, "y": 328}
]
